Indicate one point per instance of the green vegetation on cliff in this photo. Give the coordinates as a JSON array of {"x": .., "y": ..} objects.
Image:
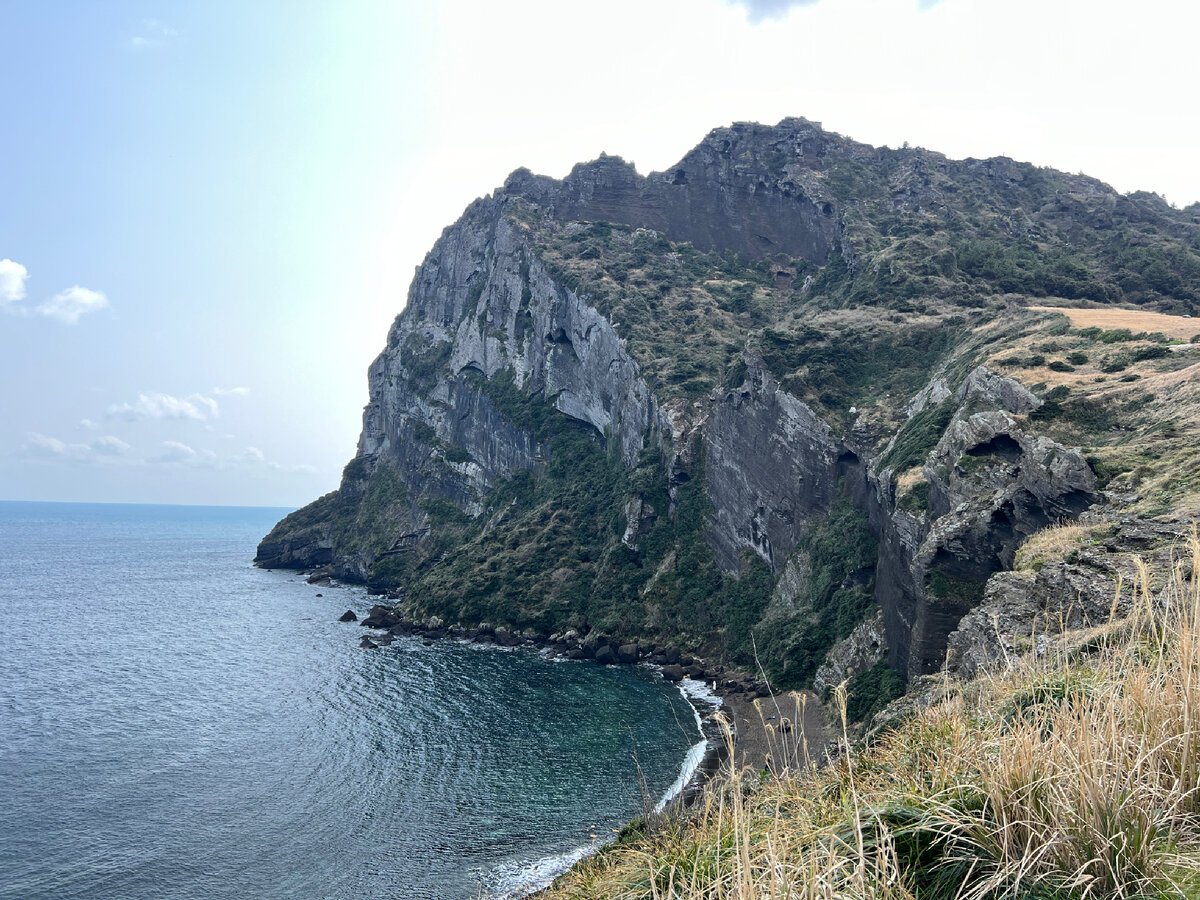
[{"x": 550, "y": 555}]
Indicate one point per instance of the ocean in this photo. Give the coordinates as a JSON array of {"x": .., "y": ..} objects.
[{"x": 176, "y": 723}]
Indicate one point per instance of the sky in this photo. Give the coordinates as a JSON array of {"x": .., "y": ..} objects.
[{"x": 210, "y": 212}]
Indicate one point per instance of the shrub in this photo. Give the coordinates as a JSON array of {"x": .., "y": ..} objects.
[{"x": 868, "y": 692}]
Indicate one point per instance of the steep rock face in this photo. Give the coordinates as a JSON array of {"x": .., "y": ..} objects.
[
  {"x": 733, "y": 192},
  {"x": 837, "y": 299},
  {"x": 481, "y": 306},
  {"x": 771, "y": 466}
]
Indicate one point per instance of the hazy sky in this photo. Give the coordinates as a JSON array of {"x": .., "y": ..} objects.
[{"x": 210, "y": 212}]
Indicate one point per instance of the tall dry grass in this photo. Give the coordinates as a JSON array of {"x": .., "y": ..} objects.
[{"x": 1072, "y": 775}]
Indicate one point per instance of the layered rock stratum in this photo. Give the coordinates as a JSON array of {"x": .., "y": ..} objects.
[{"x": 785, "y": 404}]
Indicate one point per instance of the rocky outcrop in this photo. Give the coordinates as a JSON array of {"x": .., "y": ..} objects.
[
  {"x": 866, "y": 646},
  {"x": 742, "y": 189},
  {"x": 991, "y": 485},
  {"x": 1093, "y": 587}
]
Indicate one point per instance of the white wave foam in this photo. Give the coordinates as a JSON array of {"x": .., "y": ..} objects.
[
  {"x": 691, "y": 763},
  {"x": 515, "y": 880},
  {"x": 698, "y": 694}
]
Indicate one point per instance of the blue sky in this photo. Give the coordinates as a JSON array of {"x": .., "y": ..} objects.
[{"x": 209, "y": 212}]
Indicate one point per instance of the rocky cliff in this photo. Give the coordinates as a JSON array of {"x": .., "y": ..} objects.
[{"x": 790, "y": 386}]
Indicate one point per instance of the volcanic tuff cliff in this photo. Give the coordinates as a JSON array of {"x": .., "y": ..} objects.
[{"x": 774, "y": 401}]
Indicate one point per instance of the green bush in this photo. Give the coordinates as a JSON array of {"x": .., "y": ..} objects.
[
  {"x": 916, "y": 499},
  {"x": 919, "y": 435},
  {"x": 868, "y": 692}
]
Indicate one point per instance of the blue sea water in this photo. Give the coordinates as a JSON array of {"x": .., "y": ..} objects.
[{"x": 176, "y": 723}]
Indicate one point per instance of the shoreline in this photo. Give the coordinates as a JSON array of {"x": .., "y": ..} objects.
[{"x": 741, "y": 721}]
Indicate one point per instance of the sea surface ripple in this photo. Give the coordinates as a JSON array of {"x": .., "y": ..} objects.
[{"x": 176, "y": 723}]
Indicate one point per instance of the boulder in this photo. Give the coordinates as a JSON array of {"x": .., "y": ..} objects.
[
  {"x": 673, "y": 673},
  {"x": 605, "y": 655},
  {"x": 348, "y": 616},
  {"x": 381, "y": 617},
  {"x": 506, "y": 638},
  {"x": 627, "y": 653}
]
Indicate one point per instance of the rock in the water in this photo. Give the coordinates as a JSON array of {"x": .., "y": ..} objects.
[
  {"x": 381, "y": 617},
  {"x": 627, "y": 653},
  {"x": 367, "y": 644},
  {"x": 605, "y": 655},
  {"x": 673, "y": 673},
  {"x": 348, "y": 616}
]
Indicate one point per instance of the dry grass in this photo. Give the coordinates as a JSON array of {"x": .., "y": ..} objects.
[
  {"x": 1052, "y": 543},
  {"x": 1072, "y": 776},
  {"x": 909, "y": 479},
  {"x": 1136, "y": 320}
]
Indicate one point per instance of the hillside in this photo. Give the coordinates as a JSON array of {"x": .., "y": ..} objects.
[
  {"x": 1070, "y": 775},
  {"x": 796, "y": 402}
]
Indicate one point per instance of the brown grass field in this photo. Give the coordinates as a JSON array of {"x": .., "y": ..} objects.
[{"x": 1135, "y": 320}]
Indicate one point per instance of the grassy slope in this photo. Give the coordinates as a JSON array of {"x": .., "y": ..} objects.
[{"x": 1072, "y": 775}]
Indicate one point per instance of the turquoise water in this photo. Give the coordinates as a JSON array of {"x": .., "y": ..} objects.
[{"x": 176, "y": 723}]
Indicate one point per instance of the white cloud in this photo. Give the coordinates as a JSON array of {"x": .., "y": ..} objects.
[
  {"x": 72, "y": 303},
  {"x": 155, "y": 405},
  {"x": 154, "y": 34},
  {"x": 231, "y": 392},
  {"x": 111, "y": 449},
  {"x": 109, "y": 445},
  {"x": 174, "y": 451},
  {"x": 182, "y": 454},
  {"x": 254, "y": 458},
  {"x": 52, "y": 448},
  {"x": 66, "y": 306},
  {"x": 12, "y": 282},
  {"x": 88, "y": 424},
  {"x": 43, "y": 445}
]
